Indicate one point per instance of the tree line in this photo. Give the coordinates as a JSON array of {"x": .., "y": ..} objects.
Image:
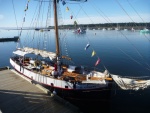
[{"x": 129, "y": 25}]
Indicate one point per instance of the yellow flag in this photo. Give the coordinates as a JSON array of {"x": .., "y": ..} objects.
[
  {"x": 67, "y": 9},
  {"x": 93, "y": 53}
]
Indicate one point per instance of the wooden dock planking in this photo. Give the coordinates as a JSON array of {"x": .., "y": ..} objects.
[{"x": 19, "y": 96}]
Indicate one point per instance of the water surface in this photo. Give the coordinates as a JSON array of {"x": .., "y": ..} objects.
[{"x": 124, "y": 53}]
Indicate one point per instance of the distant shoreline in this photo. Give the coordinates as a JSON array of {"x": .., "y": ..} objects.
[{"x": 111, "y": 26}]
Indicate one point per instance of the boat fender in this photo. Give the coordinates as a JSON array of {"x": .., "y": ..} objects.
[
  {"x": 54, "y": 92},
  {"x": 87, "y": 77},
  {"x": 54, "y": 73},
  {"x": 32, "y": 62}
]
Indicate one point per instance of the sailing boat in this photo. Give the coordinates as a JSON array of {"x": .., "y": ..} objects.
[
  {"x": 66, "y": 80},
  {"x": 79, "y": 31}
]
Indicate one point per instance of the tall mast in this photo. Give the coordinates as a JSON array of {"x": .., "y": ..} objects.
[
  {"x": 57, "y": 38},
  {"x": 56, "y": 29}
]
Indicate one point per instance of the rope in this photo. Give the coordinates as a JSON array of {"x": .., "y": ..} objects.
[
  {"x": 135, "y": 10},
  {"x": 140, "y": 17},
  {"x": 16, "y": 22},
  {"x": 142, "y": 57},
  {"x": 15, "y": 15}
]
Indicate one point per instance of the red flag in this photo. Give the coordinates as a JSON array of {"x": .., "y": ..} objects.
[
  {"x": 71, "y": 16},
  {"x": 97, "y": 62}
]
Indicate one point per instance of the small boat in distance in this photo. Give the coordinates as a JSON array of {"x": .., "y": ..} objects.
[
  {"x": 145, "y": 30},
  {"x": 79, "y": 31}
]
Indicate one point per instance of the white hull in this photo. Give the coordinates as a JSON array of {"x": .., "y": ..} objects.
[{"x": 57, "y": 83}]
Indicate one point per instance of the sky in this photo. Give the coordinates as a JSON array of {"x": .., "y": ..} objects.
[{"x": 90, "y": 12}]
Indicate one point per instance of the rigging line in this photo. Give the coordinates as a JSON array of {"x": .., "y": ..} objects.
[
  {"x": 132, "y": 58},
  {"x": 109, "y": 21},
  {"x": 86, "y": 14},
  {"x": 142, "y": 57},
  {"x": 103, "y": 16},
  {"x": 38, "y": 17},
  {"x": 133, "y": 46},
  {"x": 96, "y": 54},
  {"x": 128, "y": 56},
  {"x": 75, "y": 1},
  {"x": 48, "y": 14},
  {"x": 42, "y": 16},
  {"x": 92, "y": 22},
  {"x": 27, "y": 35},
  {"x": 63, "y": 37},
  {"x": 88, "y": 37},
  {"x": 129, "y": 16},
  {"x": 46, "y": 34},
  {"x": 125, "y": 11},
  {"x": 140, "y": 17},
  {"x": 76, "y": 14},
  {"x": 135, "y": 10},
  {"x": 16, "y": 24},
  {"x": 15, "y": 16},
  {"x": 22, "y": 25},
  {"x": 41, "y": 34},
  {"x": 60, "y": 22},
  {"x": 66, "y": 52}
]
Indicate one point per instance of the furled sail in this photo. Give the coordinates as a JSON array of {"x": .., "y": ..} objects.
[
  {"x": 19, "y": 52},
  {"x": 28, "y": 50},
  {"x": 130, "y": 84},
  {"x": 43, "y": 53}
]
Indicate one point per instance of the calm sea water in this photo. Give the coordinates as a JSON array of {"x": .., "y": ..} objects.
[{"x": 124, "y": 53}]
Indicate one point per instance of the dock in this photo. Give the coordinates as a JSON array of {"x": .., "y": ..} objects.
[
  {"x": 19, "y": 95},
  {"x": 15, "y": 39}
]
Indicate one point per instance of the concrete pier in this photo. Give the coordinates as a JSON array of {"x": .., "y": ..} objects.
[{"x": 18, "y": 95}]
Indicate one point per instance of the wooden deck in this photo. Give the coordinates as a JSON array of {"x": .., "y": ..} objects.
[{"x": 19, "y": 96}]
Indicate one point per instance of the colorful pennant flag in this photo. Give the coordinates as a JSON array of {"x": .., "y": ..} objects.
[
  {"x": 63, "y": 2},
  {"x": 93, "y": 53},
  {"x": 97, "y": 62},
  {"x": 27, "y": 6},
  {"x": 71, "y": 16},
  {"x": 75, "y": 23},
  {"x": 67, "y": 9},
  {"x": 87, "y": 46}
]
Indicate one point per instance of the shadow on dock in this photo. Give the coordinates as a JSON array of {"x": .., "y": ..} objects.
[{"x": 19, "y": 96}]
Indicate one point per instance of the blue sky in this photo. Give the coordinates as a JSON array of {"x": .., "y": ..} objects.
[{"x": 93, "y": 11}]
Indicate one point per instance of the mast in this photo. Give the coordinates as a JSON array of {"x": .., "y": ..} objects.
[
  {"x": 56, "y": 28},
  {"x": 56, "y": 36}
]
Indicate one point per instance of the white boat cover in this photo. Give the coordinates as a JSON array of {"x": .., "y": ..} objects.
[
  {"x": 102, "y": 82},
  {"x": 98, "y": 74},
  {"x": 71, "y": 68},
  {"x": 27, "y": 50},
  {"x": 130, "y": 84},
  {"x": 19, "y": 52}
]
